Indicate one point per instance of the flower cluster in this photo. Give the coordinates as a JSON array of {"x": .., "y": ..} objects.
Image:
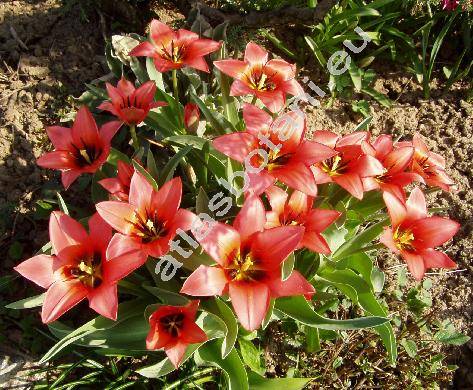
[{"x": 284, "y": 171}]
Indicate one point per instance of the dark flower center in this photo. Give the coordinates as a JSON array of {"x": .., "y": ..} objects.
[
  {"x": 244, "y": 268},
  {"x": 127, "y": 102},
  {"x": 259, "y": 80},
  {"x": 334, "y": 166},
  {"x": 172, "y": 323},
  {"x": 174, "y": 53},
  {"x": 86, "y": 155},
  {"x": 88, "y": 271},
  {"x": 403, "y": 239},
  {"x": 148, "y": 227}
]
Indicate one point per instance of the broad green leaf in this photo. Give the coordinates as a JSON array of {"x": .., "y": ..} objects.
[
  {"x": 312, "y": 339},
  {"x": 167, "y": 297},
  {"x": 219, "y": 308},
  {"x": 146, "y": 174},
  {"x": 232, "y": 365},
  {"x": 299, "y": 309},
  {"x": 410, "y": 347},
  {"x": 151, "y": 165},
  {"x": 287, "y": 266},
  {"x": 258, "y": 382},
  {"x": 153, "y": 74},
  {"x": 451, "y": 337},
  {"x": 251, "y": 356},
  {"x": 115, "y": 155},
  {"x": 217, "y": 121},
  {"x": 27, "y": 303},
  {"x": 62, "y": 204}
]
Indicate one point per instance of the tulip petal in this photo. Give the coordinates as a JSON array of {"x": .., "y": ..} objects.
[
  {"x": 112, "y": 185},
  {"x": 108, "y": 106},
  {"x": 289, "y": 129},
  {"x": 299, "y": 203},
  {"x": 144, "y": 49},
  {"x": 315, "y": 242},
  {"x": 292, "y": 87},
  {"x": 157, "y": 338},
  {"x": 325, "y": 137},
  {"x": 233, "y": 68},
  {"x": 191, "y": 333},
  {"x": 100, "y": 232},
  {"x": 69, "y": 177},
  {"x": 39, "y": 269},
  {"x": 272, "y": 246},
  {"x": 416, "y": 205},
  {"x": 58, "y": 159},
  {"x": 236, "y": 145},
  {"x": 282, "y": 68},
  {"x": 415, "y": 264},
  {"x": 124, "y": 255},
  {"x": 145, "y": 93},
  {"x": 383, "y": 146},
  {"x": 116, "y": 95},
  {"x": 386, "y": 238},
  {"x": 396, "y": 209},
  {"x": 273, "y": 100},
  {"x": 437, "y": 259},
  {"x": 117, "y": 214},
  {"x": 255, "y": 54},
  {"x": 355, "y": 138},
  {"x": 198, "y": 63},
  {"x": 108, "y": 130},
  {"x": 250, "y": 300},
  {"x": 141, "y": 192},
  {"x": 167, "y": 200},
  {"x": 398, "y": 159},
  {"x": 239, "y": 88},
  {"x": 201, "y": 47},
  {"x": 297, "y": 176},
  {"x": 296, "y": 284},
  {"x": 251, "y": 218},
  {"x": 60, "y": 297},
  {"x": 350, "y": 182},
  {"x": 160, "y": 32},
  {"x": 84, "y": 130},
  {"x": 220, "y": 242},
  {"x": 259, "y": 182},
  {"x": 61, "y": 137},
  {"x": 205, "y": 281},
  {"x": 368, "y": 166},
  {"x": 431, "y": 232},
  {"x": 256, "y": 119},
  {"x": 310, "y": 152},
  {"x": 126, "y": 86},
  {"x": 320, "y": 219},
  {"x": 104, "y": 300},
  {"x": 65, "y": 231},
  {"x": 176, "y": 353},
  {"x": 277, "y": 199}
]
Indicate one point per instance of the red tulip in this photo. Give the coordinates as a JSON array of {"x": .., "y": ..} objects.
[
  {"x": 173, "y": 328},
  {"x": 175, "y": 49},
  {"x": 429, "y": 165},
  {"x": 395, "y": 162},
  {"x": 450, "y": 5},
  {"x": 130, "y": 104},
  {"x": 79, "y": 267},
  {"x": 296, "y": 210},
  {"x": 414, "y": 234},
  {"x": 119, "y": 186},
  {"x": 82, "y": 149},
  {"x": 150, "y": 218},
  {"x": 248, "y": 264},
  {"x": 270, "y": 81},
  {"x": 350, "y": 165},
  {"x": 191, "y": 117},
  {"x": 289, "y": 162}
]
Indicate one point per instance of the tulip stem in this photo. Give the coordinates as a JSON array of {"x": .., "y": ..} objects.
[
  {"x": 253, "y": 101},
  {"x": 190, "y": 377},
  {"x": 134, "y": 137},
  {"x": 175, "y": 87}
]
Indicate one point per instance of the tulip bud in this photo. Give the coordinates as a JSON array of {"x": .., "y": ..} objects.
[{"x": 191, "y": 117}]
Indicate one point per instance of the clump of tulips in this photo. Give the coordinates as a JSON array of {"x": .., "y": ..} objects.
[{"x": 223, "y": 199}]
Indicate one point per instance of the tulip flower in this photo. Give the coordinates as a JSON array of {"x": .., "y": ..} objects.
[
  {"x": 150, "y": 218},
  {"x": 82, "y": 149},
  {"x": 296, "y": 210},
  {"x": 450, "y": 5},
  {"x": 414, "y": 234},
  {"x": 173, "y": 328},
  {"x": 130, "y": 104},
  {"x": 191, "y": 117},
  {"x": 429, "y": 165},
  {"x": 350, "y": 165},
  {"x": 248, "y": 264},
  {"x": 175, "y": 49},
  {"x": 79, "y": 267},
  {"x": 275, "y": 150},
  {"x": 268, "y": 81},
  {"x": 395, "y": 162},
  {"x": 119, "y": 186}
]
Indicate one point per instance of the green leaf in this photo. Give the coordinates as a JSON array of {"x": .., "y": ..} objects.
[
  {"x": 312, "y": 339},
  {"x": 218, "y": 122},
  {"x": 219, "y": 308},
  {"x": 166, "y": 296},
  {"x": 146, "y": 174},
  {"x": 287, "y": 266},
  {"x": 151, "y": 165},
  {"x": 202, "y": 203},
  {"x": 232, "y": 365},
  {"x": 98, "y": 193},
  {"x": 153, "y": 74},
  {"x": 451, "y": 337},
  {"x": 299, "y": 309},
  {"x": 115, "y": 155},
  {"x": 62, "y": 204},
  {"x": 168, "y": 171},
  {"x": 258, "y": 382},
  {"x": 27, "y": 303},
  {"x": 410, "y": 347},
  {"x": 251, "y": 356}
]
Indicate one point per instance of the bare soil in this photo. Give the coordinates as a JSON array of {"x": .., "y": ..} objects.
[{"x": 47, "y": 54}]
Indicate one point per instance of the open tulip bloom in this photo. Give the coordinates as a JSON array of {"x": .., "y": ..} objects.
[
  {"x": 82, "y": 149},
  {"x": 131, "y": 105},
  {"x": 248, "y": 266},
  {"x": 275, "y": 150},
  {"x": 313, "y": 210},
  {"x": 268, "y": 80},
  {"x": 79, "y": 267},
  {"x": 175, "y": 49}
]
